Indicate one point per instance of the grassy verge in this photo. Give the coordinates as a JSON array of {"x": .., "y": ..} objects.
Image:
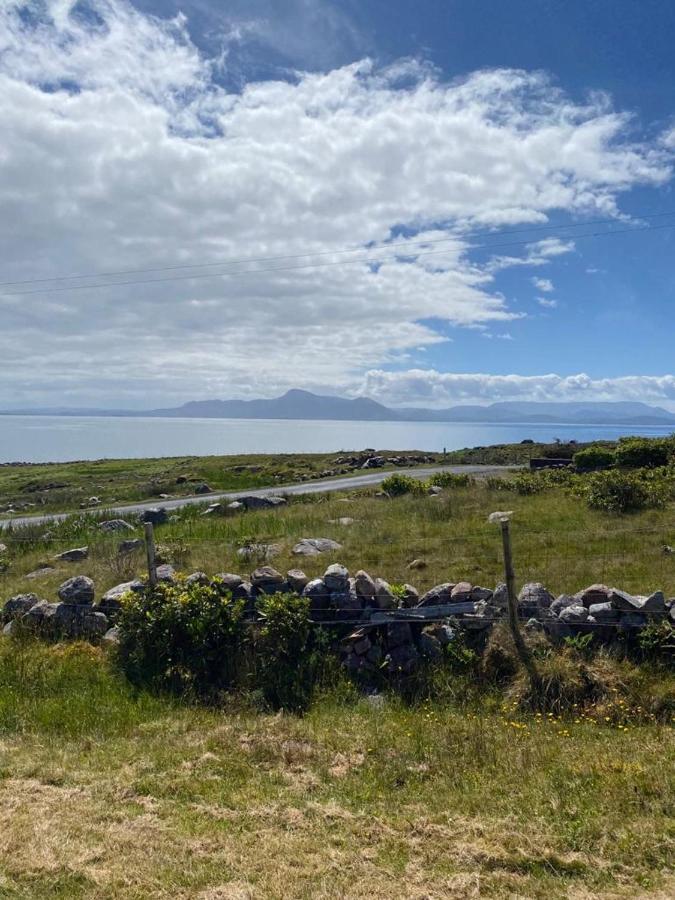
[{"x": 108, "y": 793}]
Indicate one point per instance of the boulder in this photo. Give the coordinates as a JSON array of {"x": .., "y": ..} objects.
[
  {"x": 226, "y": 581},
  {"x": 235, "y": 506},
  {"x": 129, "y": 546},
  {"x": 39, "y": 616},
  {"x": 3, "y": 548},
  {"x": 604, "y": 612},
  {"x": 593, "y": 595},
  {"x": 437, "y": 596},
  {"x": 197, "y": 578},
  {"x": 625, "y": 602},
  {"x": 112, "y": 598},
  {"x": 500, "y": 596},
  {"x": 411, "y": 596},
  {"x": 430, "y": 647},
  {"x": 573, "y": 615},
  {"x": 166, "y": 573},
  {"x": 562, "y": 602},
  {"x": 41, "y": 572},
  {"x": 253, "y": 502},
  {"x": 364, "y": 585},
  {"x": 461, "y": 592},
  {"x": 77, "y": 590},
  {"x": 259, "y": 551},
  {"x": 115, "y": 525},
  {"x": 534, "y": 597},
  {"x": 434, "y": 490},
  {"x": 265, "y": 577},
  {"x": 315, "y": 546},
  {"x": 155, "y": 516},
  {"x": 112, "y": 635},
  {"x": 18, "y": 605},
  {"x": 398, "y": 634},
  {"x": 77, "y": 554},
  {"x": 480, "y": 593},
  {"x": 336, "y": 578},
  {"x": 402, "y": 660},
  {"x": 630, "y": 620},
  {"x": 202, "y": 488},
  {"x": 655, "y": 603},
  {"x": 79, "y": 621},
  {"x": 384, "y": 598},
  {"x": 316, "y": 591},
  {"x": 297, "y": 580}
]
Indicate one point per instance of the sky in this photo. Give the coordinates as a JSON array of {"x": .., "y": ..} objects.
[{"x": 430, "y": 203}]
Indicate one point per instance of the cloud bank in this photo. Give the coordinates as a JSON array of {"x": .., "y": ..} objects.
[{"x": 122, "y": 150}]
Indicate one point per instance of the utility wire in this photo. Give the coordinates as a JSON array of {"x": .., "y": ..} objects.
[
  {"x": 458, "y": 236},
  {"x": 403, "y": 253}
]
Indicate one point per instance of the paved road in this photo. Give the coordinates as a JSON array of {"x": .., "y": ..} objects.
[{"x": 348, "y": 483}]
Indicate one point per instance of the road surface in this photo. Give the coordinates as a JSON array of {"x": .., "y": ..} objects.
[{"x": 345, "y": 483}]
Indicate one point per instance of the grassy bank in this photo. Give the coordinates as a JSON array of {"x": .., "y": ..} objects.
[{"x": 106, "y": 793}]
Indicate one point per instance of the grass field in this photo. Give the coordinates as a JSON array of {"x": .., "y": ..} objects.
[
  {"x": 110, "y": 792},
  {"x": 106, "y": 794}
]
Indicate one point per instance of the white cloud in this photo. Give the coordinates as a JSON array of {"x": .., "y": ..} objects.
[
  {"x": 440, "y": 389},
  {"x": 121, "y": 151},
  {"x": 543, "y": 284},
  {"x": 547, "y": 302}
]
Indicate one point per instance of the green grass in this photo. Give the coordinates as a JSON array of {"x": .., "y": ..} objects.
[
  {"x": 57, "y": 487},
  {"x": 556, "y": 540},
  {"x": 119, "y": 794}
]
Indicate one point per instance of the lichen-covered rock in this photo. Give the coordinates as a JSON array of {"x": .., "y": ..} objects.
[
  {"x": 129, "y": 546},
  {"x": 437, "y": 596},
  {"x": 112, "y": 598},
  {"x": 461, "y": 592},
  {"x": 315, "y": 546},
  {"x": 18, "y": 605},
  {"x": 266, "y": 580},
  {"x": 573, "y": 615},
  {"x": 115, "y": 525},
  {"x": 40, "y": 616},
  {"x": 534, "y": 597},
  {"x": 384, "y": 598},
  {"x": 197, "y": 578},
  {"x": 318, "y": 594},
  {"x": 167, "y": 573},
  {"x": 297, "y": 580},
  {"x": 596, "y": 593},
  {"x": 364, "y": 585},
  {"x": 79, "y": 621},
  {"x": 624, "y": 601},
  {"x": 226, "y": 581},
  {"x": 79, "y": 589},
  {"x": 562, "y": 602},
  {"x": 603, "y": 612},
  {"x": 500, "y": 596},
  {"x": 76, "y": 554},
  {"x": 336, "y": 578}
]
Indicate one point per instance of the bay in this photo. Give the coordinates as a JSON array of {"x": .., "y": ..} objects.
[{"x": 63, "y": 438}]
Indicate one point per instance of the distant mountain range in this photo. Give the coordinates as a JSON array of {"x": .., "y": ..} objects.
[{"x": 297, "y": 404}]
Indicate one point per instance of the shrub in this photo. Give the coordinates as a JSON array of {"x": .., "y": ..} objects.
[
  {"x": 638, "y": 453},
  {"x": 290, "y": 654},
  {"x": 450, "y": 480},
  {"x": 185, "y": 639},
  {"x": 658, "y": 640},
  {"x": 615, "y": 491},
  {"x": 397, "y": 485},
  {"x": 595, "y": 457}
]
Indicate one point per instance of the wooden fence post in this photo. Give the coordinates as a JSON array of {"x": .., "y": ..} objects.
[
  {"x": 521, "y": 648},
  {"x": 150, "y": 554}
]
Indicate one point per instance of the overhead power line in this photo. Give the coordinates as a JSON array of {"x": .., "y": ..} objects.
[
  {"x": 381, "y": 247},
  {"x": 401, "y": 253}
]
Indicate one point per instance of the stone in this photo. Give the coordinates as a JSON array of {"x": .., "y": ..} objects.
[
  {"x": 347, "y": 600},
  {"x": 235, "y": 506},
  {"x": 315, "y": 546},
  {"x": 430, "y": 647},
  {"x": 316, "y": 591},
  {"x": 398, "y": 633},
  {"x": 336, "y": 578},
  {"x": 630, "y": 620},
  {"x": 41, "y": 572},
  {"x": 202, "y": 488},
  {"x": 384, "y": 597},
  {"x": 623, "y": 601},
  {"x": 461, "y": 592},
  {"x": 402, "y": 660},
  {"x": 534, "y": 596},
  {"x": 3, "y": 548},
  {"x": 155, "y": 516},
  {"x": 253, "y": 502},
  {"x": 603, "y": 612},
  {"x": 243, "y": 591},
  {"x": 214, "y": 509},
  {"x": 197, "y": 578},
  {"x": 343, "y": 520},
  {"x": 78, "y": 590},
  {"x": 500, "y": 596},
  {"x": 655, "y": 603},
  {"x": 364, "y": 585},
  {"x": 572, "y": 615},
  {"x": 77, "y": 554},
  {"x": 19, "y": 605},
  {"x": 596, "y": 593},
  {"x": 166, "y": 573},
  {"x": 113, "y": 525},
  {"x": 11, "y": 628},
  {"x": 39, "y": 616},
  {"x": 534, "y": 625},
  {"x": 259, "y": 551},
  {"x": 79, "y": 621},
  {"x": 129, "y": 546},
  {"x": 112, "y": 635},
  {"x": 434, "y": 490},
  {"x": 112, "y": 598},
  {"x": 437, "y": 596},
  {"x": 266, "y": 576},
  {"x": 297, "y": 580},
  {"x": 410, "y": 597},
  {"x": 480, "y": 593},
  {"x": 562, "y": 602},
  {"x": 417, "y": 564},
  {"x": 361, "y": 646},
  {"x": 226, "y": 581}
]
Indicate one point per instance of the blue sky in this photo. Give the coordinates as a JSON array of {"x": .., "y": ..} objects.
[{"x": 153, "y": 134}]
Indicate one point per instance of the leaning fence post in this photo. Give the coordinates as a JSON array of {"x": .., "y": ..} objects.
[
  {"x": 150, "y": 554},
  {"x": 512, "y": 605}
]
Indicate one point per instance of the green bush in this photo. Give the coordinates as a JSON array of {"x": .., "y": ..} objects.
[
  {"x": 595, "y": 457},
  {"x": 186, "y": 639},
  {"x": 616, "y": 491},
  {"x": 290, "y": 654},
  {"x": 397, "y": 485},
  {"x": 638, "y": 453},
  {"x": 450, "y": 480}
]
